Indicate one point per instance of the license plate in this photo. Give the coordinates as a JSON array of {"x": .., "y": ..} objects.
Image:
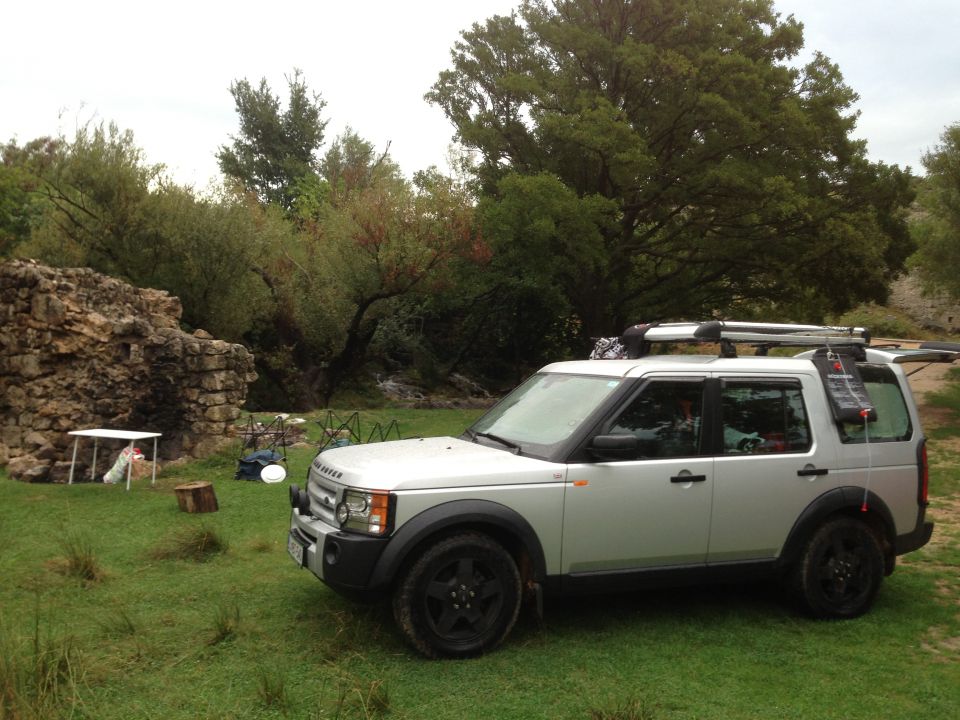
[{"x": 296, "y": 549}]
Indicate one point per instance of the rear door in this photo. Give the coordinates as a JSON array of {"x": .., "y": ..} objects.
[
  {"x": 651, "y": 511},
  {"x": 776, "y": 452},
  {"x": 882, "y": 455}
]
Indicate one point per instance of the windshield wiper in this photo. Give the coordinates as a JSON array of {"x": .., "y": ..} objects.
[{"x": 496, "y": 438}]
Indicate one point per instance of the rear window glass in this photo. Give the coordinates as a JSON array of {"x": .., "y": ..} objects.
[{"x": 893, "y": 418}]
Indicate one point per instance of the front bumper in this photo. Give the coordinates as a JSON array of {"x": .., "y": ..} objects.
[{"x": 343, "y": 560}]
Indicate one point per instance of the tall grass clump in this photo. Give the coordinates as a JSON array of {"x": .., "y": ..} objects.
[
  {"x": 39, "y": 676},
  {"x": 198, "y": 543},
  {"x": 362, "y": 700},
  {"x": 272, "y": 690},
  {"x": 117, "y": 622},
  {"x": 81, "y": 559},
  {"x": 226, "y": 621},
  {"x": 629, "y": 710}
]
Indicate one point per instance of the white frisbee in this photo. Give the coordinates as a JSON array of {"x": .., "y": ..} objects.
[{"x": 273, "y": 473}]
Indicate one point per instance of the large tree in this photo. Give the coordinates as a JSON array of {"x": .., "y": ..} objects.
[
  {"x": 694, "y": 167},
  {"x": 938, "y": 225},
  {"x": 276, "y": 147},
  {"x": 370, "y": 241}
]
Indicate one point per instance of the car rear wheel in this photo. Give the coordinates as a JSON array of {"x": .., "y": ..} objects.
[
  {"x": 841, "y": 569},
  {"x": 460, "y": 598}
]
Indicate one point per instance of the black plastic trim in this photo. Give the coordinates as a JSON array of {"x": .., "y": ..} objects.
[
  {"x": 839, "y": 499},
  {"x": 448, "y": 516},
  {"x": 355, "y": 557},
  {"x": 666, "y": 576},
  {"x": 914, "y": 540}
]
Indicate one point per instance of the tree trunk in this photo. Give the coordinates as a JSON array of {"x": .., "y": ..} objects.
[{"x": 359, "y": 336}]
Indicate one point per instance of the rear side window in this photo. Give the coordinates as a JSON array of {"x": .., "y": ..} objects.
[
  {"x": 762, "y": 416},
  {"x": 893, "y": 418}
]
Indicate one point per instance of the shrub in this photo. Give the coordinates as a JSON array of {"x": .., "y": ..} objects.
[{"x": 880, "y": 321}]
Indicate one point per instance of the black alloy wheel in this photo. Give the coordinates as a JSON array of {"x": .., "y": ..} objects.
[
  {"x": 841, "y": 569},
  {"x": 460, "y": 598}
]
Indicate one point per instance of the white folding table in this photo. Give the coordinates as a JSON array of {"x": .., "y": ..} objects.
[{"x": 98, "y": 433}]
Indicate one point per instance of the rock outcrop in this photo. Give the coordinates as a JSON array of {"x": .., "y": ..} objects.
[
  {"x": 82, "y": 350},
  {"x": 934, "y": 310}
]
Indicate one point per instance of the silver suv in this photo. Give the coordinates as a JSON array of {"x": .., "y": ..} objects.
[{"x": 603, "y": 475}]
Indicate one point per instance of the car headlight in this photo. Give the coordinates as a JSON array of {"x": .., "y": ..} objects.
[{"x": 365, "y": 511}]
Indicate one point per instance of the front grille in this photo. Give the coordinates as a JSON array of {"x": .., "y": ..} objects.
[{"x": 323, "y": 499}]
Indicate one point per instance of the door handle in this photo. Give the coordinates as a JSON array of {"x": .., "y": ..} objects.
[
  {"x": 807, "y": 472},
  {"x": 688, "y": 478}
]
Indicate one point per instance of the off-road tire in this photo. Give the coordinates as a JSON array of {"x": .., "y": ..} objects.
[
  {"x": 460, "y": 598},
  {"x": 841, "y": 569}
]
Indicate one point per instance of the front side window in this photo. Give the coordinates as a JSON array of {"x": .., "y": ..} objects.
[
  {"x": 665, "y": 418},
  {"x": 760, "y": 416},
  {"x": 893, "y": 418}
]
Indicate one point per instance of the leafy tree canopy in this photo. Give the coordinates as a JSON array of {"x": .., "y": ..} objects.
[
  {"x": 938, "y": 226},
  {"x": 369, "y": 242},
  {"x": 275, "y": 148},
  {"x": 694, "y": 168}
]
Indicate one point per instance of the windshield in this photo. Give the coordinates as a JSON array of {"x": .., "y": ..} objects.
[{"x": 543, "y": 412}]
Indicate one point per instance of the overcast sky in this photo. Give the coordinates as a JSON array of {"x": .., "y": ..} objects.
[{"x": 164, "y": 69}]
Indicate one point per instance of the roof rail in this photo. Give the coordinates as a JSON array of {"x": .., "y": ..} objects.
[{"x": 637, "y": 339}]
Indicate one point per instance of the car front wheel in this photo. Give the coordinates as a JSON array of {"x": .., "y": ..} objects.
[{"x": 460, "y": 598}]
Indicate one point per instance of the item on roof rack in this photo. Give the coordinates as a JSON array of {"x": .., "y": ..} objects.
[
  {"x": 637, "y": 340},
  {"x": 608, "y": 348}
]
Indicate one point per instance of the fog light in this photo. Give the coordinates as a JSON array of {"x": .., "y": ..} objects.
[{"x": 331, "y": 553}]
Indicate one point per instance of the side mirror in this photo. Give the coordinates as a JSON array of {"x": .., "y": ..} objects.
[{"x": 614, "y": 447}]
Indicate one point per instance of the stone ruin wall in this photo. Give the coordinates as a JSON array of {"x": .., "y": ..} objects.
[{"x": 83, "y": 350}]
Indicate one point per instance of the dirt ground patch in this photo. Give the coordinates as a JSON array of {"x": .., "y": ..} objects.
[
  {"x": 940, "y": 643},
  {"x": 926, "y": 380},
  {"x": 944, "y": 510},
  {"x": 943, "y": 646}
]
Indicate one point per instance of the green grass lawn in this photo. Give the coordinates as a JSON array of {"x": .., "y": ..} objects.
[{"x": 243, "y": 633}]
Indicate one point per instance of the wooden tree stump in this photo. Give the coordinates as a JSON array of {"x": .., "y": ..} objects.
[{"x": 196, "y": 497}]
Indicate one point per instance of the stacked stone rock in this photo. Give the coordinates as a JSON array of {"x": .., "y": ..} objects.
[{"x": 82, "y": 350}]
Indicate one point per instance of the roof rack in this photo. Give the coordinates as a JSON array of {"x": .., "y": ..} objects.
[{"x": 637, "y": 339}]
